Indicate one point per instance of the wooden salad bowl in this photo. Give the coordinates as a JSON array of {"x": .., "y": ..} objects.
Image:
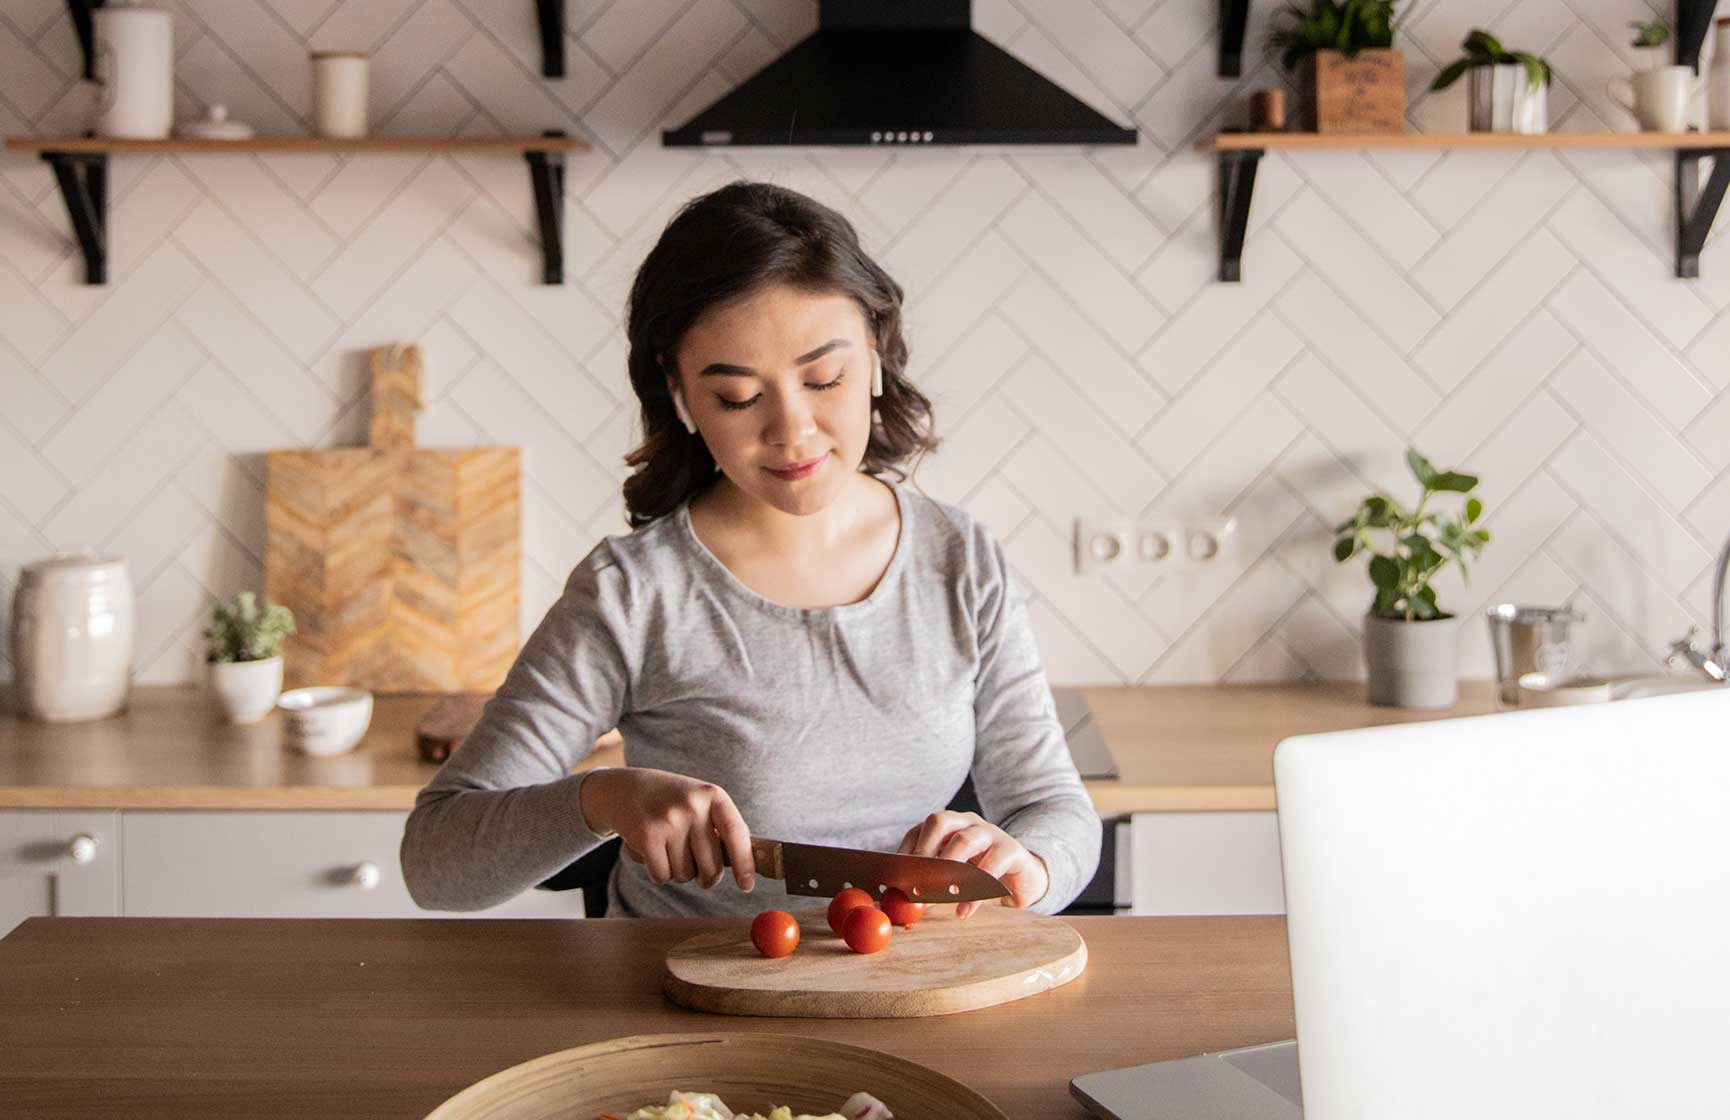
[{"x": 750, "y": 1072}]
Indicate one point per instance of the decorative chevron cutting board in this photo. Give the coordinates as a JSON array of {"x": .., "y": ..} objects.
[{"x": 401, "y": 564}]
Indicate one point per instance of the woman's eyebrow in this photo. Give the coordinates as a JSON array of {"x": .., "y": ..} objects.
[{"x": 746, "y": 371}]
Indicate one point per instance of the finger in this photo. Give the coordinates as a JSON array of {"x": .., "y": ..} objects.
[
  {"x": 906, "y": 847},
  {"x": 965, "y": 909},
  {"x": 736, "y": 838},
  {"x": 1007, "y": 863},
  {"x": 967, "y": 844},
  {"x": 679, "y": 864},
  {"x": 655, "y": 862},
  {"x": 934, "y": 830},
  {"x": 706, "y": 851}
]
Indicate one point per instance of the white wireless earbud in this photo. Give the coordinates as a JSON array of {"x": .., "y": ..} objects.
[
  {"x": 684, "y": 417},
  {"x": 876, "y": 374}
]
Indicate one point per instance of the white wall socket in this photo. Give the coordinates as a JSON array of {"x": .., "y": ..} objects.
[{"x": 1104, "y": 544}]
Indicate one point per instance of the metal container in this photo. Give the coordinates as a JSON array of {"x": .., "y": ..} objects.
[{"x": 1529, "y": 640}]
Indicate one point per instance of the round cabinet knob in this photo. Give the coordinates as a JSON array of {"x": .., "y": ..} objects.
[
  {"x": 83, "y": 848},
  {"x": 366, "y": 875}
]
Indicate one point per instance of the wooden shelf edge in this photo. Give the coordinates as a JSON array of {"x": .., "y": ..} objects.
[
  {"x": 1302, "y": 141},
  {"x": 283, "y": 145}
]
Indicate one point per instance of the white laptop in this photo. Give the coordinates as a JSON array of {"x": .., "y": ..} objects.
[{"x": 1517, "y": 915}]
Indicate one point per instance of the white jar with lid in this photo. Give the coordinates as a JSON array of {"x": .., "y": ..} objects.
[{"x": 72, "y": 627}]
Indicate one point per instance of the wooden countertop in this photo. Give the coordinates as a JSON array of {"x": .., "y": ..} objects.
[
  {"x": 265, "y": 1018},
  {"x": 1178, "y": 748}
]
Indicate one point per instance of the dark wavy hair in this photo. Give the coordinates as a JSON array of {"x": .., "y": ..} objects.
[{"x": 726, "y": 245}]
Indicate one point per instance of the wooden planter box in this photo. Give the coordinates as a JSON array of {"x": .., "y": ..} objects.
[{"x": 1366, "y": 93}]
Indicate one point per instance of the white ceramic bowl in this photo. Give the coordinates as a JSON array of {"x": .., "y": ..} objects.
[
  {"x": 1549, "y": 690},
  {"x": 327, "y": 719}
]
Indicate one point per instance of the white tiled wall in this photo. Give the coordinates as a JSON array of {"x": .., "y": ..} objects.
[{"x": 1512, "y": 314}]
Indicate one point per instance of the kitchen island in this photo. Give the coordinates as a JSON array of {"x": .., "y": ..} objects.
[{"x": 226, "y": 1018}]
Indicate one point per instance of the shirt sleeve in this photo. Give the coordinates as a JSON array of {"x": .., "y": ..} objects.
[
  {"x": 503, "y": 813},
  {"x": 1022, "y": 770}
]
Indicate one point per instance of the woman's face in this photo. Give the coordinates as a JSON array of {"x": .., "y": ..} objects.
[{"x": 779, "y": 386}]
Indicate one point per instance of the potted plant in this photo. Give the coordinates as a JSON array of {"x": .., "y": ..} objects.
[
  {"x": 244, "y": 651},
  {"x": 1509, "y": 90},
  {"x": 1649, "y": 39},
  {"x": 1410, "y": 643},
  {"x": 1661, "y": 93},
  {"x": 1341, "y": 52}
]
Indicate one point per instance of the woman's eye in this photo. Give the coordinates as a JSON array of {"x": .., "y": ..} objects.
[
  {"x": 735, "y": 406},
  {"x": 830, "y": 384}
]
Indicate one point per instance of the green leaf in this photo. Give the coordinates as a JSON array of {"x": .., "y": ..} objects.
[
  {"x": 1451, "y": 73},
  {"x": 1483, "y": 42},
  {"x": 1535, "y": 71},
  {"x": 1386, "y": 598},
  {"x": 1344, "y": 549},
  {"x": 1454, "y": 482},
  {"x": 1421, "y": 468},
  {"x": 1384, "y": 573},
  {"x": 1474, "y": 510}
]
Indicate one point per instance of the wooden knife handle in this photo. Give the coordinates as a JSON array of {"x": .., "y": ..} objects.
[{"x": 766, "y": 855}]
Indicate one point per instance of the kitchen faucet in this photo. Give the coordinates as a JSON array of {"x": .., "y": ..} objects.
[{"x": 1715, "y": 663}]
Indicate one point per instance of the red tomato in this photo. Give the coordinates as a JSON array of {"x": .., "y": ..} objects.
[
  {"x": 902, "y": 910},
  {"x": 844, "y": 902},
  {"x": 775, "y": 933},
  {"x": 866, "y": 929}
]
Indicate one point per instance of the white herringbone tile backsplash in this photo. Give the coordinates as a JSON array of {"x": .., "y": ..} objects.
[{"x": 1513, "y": 314}]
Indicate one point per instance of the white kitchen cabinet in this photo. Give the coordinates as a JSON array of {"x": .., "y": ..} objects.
[
  {"x": 56, "y": 863},
  {"x": 210, "y": 863},
  {"x": 1205, "y": 863}
]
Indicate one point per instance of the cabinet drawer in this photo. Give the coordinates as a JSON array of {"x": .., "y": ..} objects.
[
  {"x": 1206, "y": 863},
  {"x": 58, "y": 863},
  {"x": 285, "y": 865}
]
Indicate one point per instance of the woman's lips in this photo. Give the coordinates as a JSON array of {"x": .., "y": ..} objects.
[{"x": 796, "y": 471}]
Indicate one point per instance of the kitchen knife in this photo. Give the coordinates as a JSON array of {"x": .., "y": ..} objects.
[{"x": 811, "y": 869}]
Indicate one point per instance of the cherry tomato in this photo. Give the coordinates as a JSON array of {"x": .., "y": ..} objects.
[
  {"x": 902, "y": 910},
  {"x": 844, "y": 902},
  {"x": 866, "y": 929},
  {"x": 775, "y": 933}
]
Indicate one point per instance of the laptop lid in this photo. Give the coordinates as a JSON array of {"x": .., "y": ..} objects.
[{"x": 1519, "y": 915}]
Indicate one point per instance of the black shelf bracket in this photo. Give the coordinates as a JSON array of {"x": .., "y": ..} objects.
[
  {"x": 86, "y": 29},
  {"x": 1697, "y": 206},
  {"x": 1693, "y": 18},
  {"x": 1236, "y": 187},
  {"x": 551, "y": 15},
  {"x": 1233, "y": 21},
  {"x": 547, "y": 176},
  {"x": 83, "y": 179}
]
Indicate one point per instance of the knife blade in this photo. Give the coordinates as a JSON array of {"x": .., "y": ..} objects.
[{"x": 822, "y": 872}]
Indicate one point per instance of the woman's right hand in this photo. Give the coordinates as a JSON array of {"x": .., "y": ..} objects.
[{"x": 676, "y": 826}]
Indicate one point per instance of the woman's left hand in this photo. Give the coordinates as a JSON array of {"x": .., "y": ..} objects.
[{"x": 973, "y": 839}]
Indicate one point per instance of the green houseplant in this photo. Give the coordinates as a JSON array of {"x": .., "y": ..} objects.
[
  {"x": 1509, "y": 90},
  {"x": 1341, "y": 52},
  {"x": 243, "y": 644},
  {"x": 1409, "y": 640}
]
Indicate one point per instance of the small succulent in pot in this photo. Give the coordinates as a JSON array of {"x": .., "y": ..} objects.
[
  {"x": 1424, "y": 542},
  {"x": 244, "y": 649},
  {"x": 246, "y": 629}
]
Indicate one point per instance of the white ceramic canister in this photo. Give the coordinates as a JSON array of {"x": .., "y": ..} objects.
[
  {"x": 1718, "y": 80},
  {"x": 135, "y": 68},
  {"x": 339, "y": 93},
  {"x": 72, "y": 626}
]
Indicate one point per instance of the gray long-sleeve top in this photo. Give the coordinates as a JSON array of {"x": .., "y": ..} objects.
[{"x": 839, "y": 725}]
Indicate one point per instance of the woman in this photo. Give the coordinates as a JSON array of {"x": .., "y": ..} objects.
[{"x": 792, "y": 644}]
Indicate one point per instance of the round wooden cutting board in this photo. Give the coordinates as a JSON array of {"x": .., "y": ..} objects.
[{"x": 942, "y": 965}]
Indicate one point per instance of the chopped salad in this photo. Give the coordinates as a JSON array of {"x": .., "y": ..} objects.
[{"x": 707, "y": 1106}]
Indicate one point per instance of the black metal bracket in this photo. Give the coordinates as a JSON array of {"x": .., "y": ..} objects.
[
  {"x": 86, "y": 29},
  {"x": 547, "y": 175},
  {"x": 83, "y": 179},
  {"x": 1236, "y": 187},
  {"x": 551, "y": 16},
  {"x": 1693, "y": 18},
  {"x": 1697, "y": 206},
  {"x": 1233, "y": 21}
]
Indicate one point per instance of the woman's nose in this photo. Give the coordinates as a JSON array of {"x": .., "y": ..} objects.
[{"x": 791, "y": 419}]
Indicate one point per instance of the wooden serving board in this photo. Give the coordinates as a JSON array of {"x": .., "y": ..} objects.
[
  {"x": 401, "y": 564},
  {"x": 942, "y": 965}
]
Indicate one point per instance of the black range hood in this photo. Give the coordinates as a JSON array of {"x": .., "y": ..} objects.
[{"x": 908, "y": 72}]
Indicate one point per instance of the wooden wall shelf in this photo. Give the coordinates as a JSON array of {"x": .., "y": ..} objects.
[
  {"x": 1696, "y": 204},
  {"x": 80, "y": 166}
]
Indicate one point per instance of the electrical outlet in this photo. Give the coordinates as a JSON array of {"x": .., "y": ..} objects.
[{"x": 1103, "y": 544}]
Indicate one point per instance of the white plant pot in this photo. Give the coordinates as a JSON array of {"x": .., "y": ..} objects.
[
  {"x": 1412, "y": 664},
  {"x": 246, "y": 691},
  {"x": 1503, "y": 99}
]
